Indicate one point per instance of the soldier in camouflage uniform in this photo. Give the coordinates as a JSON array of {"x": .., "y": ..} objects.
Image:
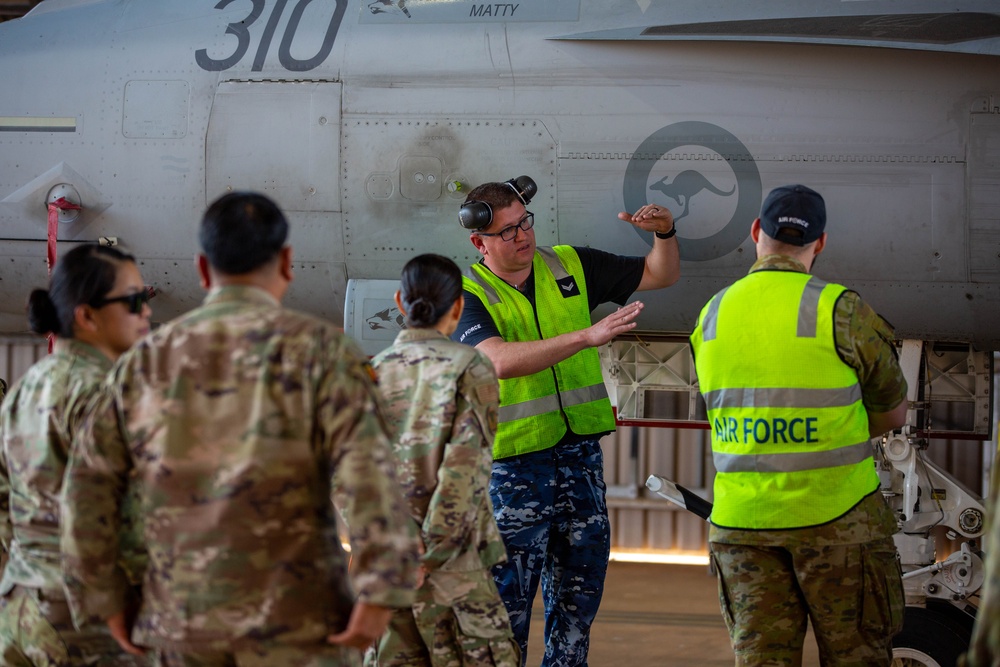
[
  {"x": 239, "y": 423},
  {"x": 443, "y": 397},
  {"x": 96, "y": 304},
  {"x": 797, "y": 375}
]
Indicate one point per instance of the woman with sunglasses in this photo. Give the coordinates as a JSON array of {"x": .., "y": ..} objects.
[
  {"x": 442, "y": 397},
  {"x": 96, "y": 306}
]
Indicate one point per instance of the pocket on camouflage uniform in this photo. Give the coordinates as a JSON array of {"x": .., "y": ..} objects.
[
  {"x": 882, "y": 598},
  {"x": 724, "y": 601},
  {"x": 484, "y": 634},
  {"x": 24, "y": 631}
]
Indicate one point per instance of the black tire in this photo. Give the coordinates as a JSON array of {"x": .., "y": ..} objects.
[{"x": 932, "y": 637}]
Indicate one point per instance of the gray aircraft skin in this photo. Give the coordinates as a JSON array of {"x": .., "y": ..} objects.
[{"x": 370, "y": 121}]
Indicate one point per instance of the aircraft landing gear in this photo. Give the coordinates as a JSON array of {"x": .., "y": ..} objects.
[{"x": 933, "y": 636}]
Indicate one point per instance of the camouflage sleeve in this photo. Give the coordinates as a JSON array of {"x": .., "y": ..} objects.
[
  {"x": 865, "y": 342},
  {"x": 464, "y": 474},
  {"x": 94, "y": 484},
  {"x": 133, "y": 556},
  {"x": 384, "y": 541}
]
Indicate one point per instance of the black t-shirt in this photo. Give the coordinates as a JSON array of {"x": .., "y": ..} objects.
[{"x": 608, "y": 277}]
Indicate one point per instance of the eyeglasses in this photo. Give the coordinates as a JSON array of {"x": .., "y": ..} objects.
[
  {"x": 508, "y": 233},
  {"x": 134, "y": 302}
]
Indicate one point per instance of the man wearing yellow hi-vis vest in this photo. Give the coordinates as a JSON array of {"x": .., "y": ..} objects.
[
  {"x": 528, "y": 310},
  {"x": 798, "y": 374}
]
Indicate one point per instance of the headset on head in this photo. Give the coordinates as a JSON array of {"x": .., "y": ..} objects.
[{"x": 476, "y": 215}]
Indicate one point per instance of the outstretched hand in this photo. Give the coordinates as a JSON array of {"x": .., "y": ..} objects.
[
  {"x": 367, "y": 623},
  {"x": 651, "y": 218},
  {"x": 615, "y": 324}
]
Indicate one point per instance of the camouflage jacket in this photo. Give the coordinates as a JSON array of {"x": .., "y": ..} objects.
[
  {"x": 37, "y": 421},
  {"x": 239, "y": 422},
  {"x": 443, "y": 399}
]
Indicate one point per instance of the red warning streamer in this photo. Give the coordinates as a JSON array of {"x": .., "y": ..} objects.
[{"x": 61, "y": 204}]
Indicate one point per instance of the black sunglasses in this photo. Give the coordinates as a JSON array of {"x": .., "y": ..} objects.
[{"x": 134, "y": 302}]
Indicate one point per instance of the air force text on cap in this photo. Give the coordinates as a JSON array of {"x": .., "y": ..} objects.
[{"x": 795, "y": 221}]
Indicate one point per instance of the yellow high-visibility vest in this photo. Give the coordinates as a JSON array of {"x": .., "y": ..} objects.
[
  {"x": 535, "y": 409},
  {"x": 789, "y": 431}
]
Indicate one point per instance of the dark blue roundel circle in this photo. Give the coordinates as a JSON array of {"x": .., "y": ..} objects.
[{"x": 713, "y": 137}]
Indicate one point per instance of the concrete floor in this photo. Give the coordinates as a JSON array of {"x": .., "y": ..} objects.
[{"x": 656, "y": 615}]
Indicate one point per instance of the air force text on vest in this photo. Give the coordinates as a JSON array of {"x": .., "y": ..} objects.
[{"x": 775, "y": 430}]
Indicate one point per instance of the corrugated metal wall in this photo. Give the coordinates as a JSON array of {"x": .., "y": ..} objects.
[
  {"x": 648, "y": 522},
  {"x": 640, "y": 520},
  {"x": 18, "y": 353}
]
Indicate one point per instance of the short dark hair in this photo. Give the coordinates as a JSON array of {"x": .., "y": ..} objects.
[
  {"x": 498, "y": 195},
  {"x": 83, "y": 276},
  {"x": 242, "y": 232},
  {"x": 430, "y": 285}
]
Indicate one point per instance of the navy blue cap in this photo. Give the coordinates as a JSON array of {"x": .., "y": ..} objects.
[{"x": 793, "y": 214}]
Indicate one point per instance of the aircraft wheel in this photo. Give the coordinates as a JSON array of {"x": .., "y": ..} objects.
[{"x": 931, "y": 637}]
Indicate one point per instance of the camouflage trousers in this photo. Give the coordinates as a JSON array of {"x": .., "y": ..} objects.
[
  {"x": 265, "y": 656},
  {"x": 553, "y": 517},
  {"x": 36, "y": 631},
  {"x": 852, "y": 595},
  {"x": 458, "y": 620}
]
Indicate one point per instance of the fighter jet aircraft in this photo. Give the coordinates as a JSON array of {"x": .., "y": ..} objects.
[
  {"x": 120, "y": 120},
  {"x": 370, "y": 126}
]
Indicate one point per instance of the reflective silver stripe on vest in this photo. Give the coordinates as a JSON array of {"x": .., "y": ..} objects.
[
  {"x": 782, "y": 397},
  {"x": 793, "y": 462},
  {"x": 552, "y": 261},
  {"x": 545, "y": 404},
  {"x": 491, "y": 294},
  {"x": 710, "y": 324},
  {"x": 809, "y": 308}
]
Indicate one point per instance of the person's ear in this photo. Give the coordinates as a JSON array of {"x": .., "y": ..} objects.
[
  {"x": 398, "y": 296},
  {"x": 477, "y": 241},
  {"x": 755, "y": 230},
  {"x": 286, "y": 264},
  {"x": 83, "y": 318},
  {"x": 204, "y": 271},
  {"x": 820, "y": 243}
]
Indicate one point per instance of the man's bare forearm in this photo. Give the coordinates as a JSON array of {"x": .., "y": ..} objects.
[{"x": 518, "y": 359}]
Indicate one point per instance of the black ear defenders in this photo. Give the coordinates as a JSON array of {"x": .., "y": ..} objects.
[{"x": 476, "y": 215}]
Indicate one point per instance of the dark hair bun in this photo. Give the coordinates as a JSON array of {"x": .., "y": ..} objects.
[
  {"x": 421, "y": 313},
  {"x": 42, "y": 315}
]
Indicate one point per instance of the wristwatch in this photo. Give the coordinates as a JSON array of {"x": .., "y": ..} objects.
[{"x": 667, "y": 235}]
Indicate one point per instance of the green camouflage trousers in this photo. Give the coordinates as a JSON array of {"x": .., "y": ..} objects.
[
  {"x": 458, "y": 620},
  {"x": 36, "y": 631},
  {"x": 265, "y": 656},
  {"x": 852, "y": 595}
]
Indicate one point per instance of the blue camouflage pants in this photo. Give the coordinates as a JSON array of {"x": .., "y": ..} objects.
[{"x": 553, "y": 516}]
